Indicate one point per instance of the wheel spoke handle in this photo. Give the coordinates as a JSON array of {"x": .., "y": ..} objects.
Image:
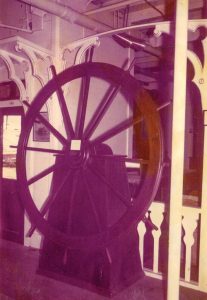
[{"x": 149, "y": 222}]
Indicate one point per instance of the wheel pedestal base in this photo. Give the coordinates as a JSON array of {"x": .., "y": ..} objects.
[{"x": 106, "y": 271}]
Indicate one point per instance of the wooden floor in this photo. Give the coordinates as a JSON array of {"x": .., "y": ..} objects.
[{"x": 19, "y": 280}]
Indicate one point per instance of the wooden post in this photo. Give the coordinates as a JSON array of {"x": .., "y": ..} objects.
[
  {"x": 203, "y": 225},
  {"x": 178, "y": 134},
  {"x": 200, "y": 79}
]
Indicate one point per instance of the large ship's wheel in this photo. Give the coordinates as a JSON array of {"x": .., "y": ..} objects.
[{"x": 95, "y": 123}]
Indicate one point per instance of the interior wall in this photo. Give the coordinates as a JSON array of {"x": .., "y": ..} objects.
[{"x": 3, "y": 72}]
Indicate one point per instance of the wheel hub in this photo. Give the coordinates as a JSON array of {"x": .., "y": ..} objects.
[{"x": 79, "y": 154}]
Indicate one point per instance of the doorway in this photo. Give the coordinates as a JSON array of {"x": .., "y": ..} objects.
[{"x": 12, "y": 212}]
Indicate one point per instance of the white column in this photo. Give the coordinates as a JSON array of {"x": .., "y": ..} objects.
[
  {"x": 203, "y": 230},
  {"x": 202, "y": 85},
  {"x": 200, "y": 79},
  {"x": 178, "y": 129}
]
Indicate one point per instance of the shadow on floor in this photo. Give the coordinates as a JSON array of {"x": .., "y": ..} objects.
[{"x": 19, "y": 281}]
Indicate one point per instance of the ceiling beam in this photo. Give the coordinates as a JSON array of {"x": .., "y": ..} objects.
[
  {"x": 69, "y": 14},
  {"x": 113, "y": 6}
]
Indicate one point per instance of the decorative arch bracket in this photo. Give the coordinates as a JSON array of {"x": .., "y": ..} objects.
[
  {"x": 33, "y": 61},
  {"x": 167, "y": 27},
  {"x": 9, "y": 59},
  {"x": 82, "y": 46},
  {"x": 40, "y": 59},
  {"x": 200, "y": 77}
]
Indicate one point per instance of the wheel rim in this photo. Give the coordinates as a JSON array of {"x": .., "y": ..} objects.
[{"x": 122, "y": 83}]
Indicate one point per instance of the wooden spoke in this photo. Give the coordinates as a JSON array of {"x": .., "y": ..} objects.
[
  {"x": 101, "y": 110},
  {"x": 46, "y": 150},
  {"x": 82, "y": 106},
  {"x": 52, "y": 129},
  {"x": 49, "y": 201},
  {"x": 38, "y": 149},
  {"x": 44, "y": 173},
  {"x": 88, "y": 189},
  {"x": 116, "y": 130},
  {"x": 102, "y": 178},
  {"x": 74, "y": 185},
  {"x": 63, "y": 106},
  {"x": 103, "y": 107}
]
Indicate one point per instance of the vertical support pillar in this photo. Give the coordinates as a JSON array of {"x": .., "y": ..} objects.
[
  {"x": 203, "y": 225},
  {"x": 200, "y": 79},
  {"x": 178, "y": 131}
]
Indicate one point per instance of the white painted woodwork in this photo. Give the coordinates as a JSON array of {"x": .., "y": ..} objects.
[
  {"x": 189, "y": 223},
  {"x": 190, "y": 217},
  {"x": 157, "y": 218},
  {"x": 203, "y": 232},
  {"x": 200, "y": 79},
  {"x": 178, "y": 130},
  {"x": 141, "y": 231}
]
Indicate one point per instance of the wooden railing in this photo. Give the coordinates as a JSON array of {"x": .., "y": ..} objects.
[{"x": 153, "y": 245}]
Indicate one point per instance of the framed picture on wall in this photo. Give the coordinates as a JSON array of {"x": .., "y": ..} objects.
[{"x": 40, "y": 131}]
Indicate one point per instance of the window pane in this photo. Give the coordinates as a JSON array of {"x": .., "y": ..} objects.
[{"x": 11, "y": 132}]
